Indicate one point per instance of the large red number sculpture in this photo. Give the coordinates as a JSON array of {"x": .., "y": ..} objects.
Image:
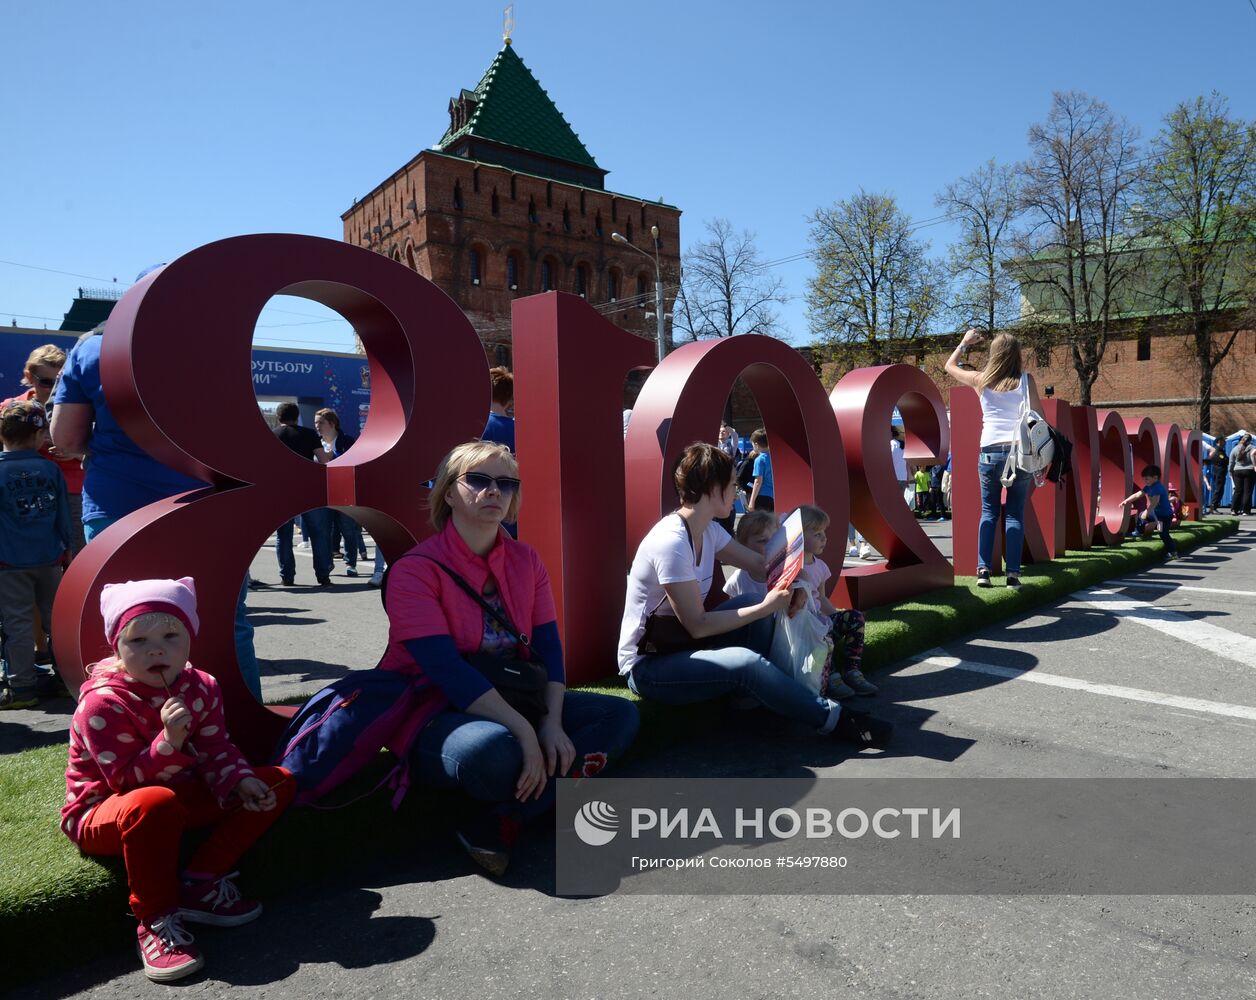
[
  {"x": 178, "y": 345},
  {"x": 863, "y": 403},
  {"x": 570, "y": 362},
  {"x": 181, "y": 339},
  {"x": 681, "y": 402},
  {"x": 1192, "y": 485},
  {"x": 1116, "y": 478}
]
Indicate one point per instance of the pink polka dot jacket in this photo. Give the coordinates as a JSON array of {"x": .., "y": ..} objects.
[{"x": 117, "y": 746}]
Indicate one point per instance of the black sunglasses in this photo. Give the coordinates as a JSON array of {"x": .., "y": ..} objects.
[
  {"x": 479, "y": 482},
  {"x": 46, "y": 383}
]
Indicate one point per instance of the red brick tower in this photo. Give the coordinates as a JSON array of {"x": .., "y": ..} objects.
[{"x": 510, "y": 203}]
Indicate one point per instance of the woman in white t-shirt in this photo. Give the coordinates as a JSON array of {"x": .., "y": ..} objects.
[
  {"x": 673, "y": 650},
  {"x": 1003, "y": 388}
]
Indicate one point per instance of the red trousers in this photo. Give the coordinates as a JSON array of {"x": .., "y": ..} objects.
[{"x": 146, "y": 825}]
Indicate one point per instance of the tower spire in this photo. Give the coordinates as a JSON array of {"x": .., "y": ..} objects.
[{"x": 508, "y": 23}]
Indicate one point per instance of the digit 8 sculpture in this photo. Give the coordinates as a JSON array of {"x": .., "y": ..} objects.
[
  {"x": 178, "y": 345},
  {"x": 863, "y": 403}
]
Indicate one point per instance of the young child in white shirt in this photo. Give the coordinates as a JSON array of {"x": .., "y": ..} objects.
[{"x": 847, "y": 626}]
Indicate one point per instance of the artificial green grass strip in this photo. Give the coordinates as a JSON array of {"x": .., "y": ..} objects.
[
  {"x": 46, "y": 886},
  {"x": 896, "y": 631}
]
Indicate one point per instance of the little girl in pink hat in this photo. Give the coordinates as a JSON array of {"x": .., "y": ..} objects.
[{"x": 150, "y": 758}]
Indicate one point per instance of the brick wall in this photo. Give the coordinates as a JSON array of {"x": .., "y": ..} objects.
[{"x": 421, "y": 225}]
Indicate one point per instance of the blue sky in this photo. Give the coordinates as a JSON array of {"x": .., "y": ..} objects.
[{"x": 138, "y": 130}]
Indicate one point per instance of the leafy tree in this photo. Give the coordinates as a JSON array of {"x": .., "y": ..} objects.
[
  {"x": 725, "y": 289},
  {"x": 1198, "y": 211},
  {"x": 875, "y": 288},
  {"x": 1072, "y": 259},
  {"x": 985, "y": 203}
]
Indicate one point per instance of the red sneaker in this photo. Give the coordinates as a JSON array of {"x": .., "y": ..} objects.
[
  {"x": 166, "y": 948},
  {"x": 217, "y": 901}
]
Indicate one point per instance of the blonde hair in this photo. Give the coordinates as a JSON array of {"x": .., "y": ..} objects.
[
  {"x": 753, "y": 522},
  {"x": 48, "y": 354},
  {"x": 330, "y": 416},
  {"x": 458, "y": 463},
  {"x": 1003, "y": 366},
  {"x": 813, "y": 518}
]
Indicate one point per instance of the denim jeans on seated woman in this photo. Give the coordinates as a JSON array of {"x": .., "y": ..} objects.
[
  {"x": 990, "y": 468},
  {"x": 747, "y": 660},
  {"x": 478, "y": 755}
]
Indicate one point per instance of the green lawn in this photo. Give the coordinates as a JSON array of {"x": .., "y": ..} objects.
[{"x": 46, "y": 886}]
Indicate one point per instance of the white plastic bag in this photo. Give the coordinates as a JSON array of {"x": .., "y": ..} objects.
[{"x": 810, "y": 648}]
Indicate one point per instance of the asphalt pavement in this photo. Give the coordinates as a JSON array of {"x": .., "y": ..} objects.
[{"x": 1150, "y": 675}]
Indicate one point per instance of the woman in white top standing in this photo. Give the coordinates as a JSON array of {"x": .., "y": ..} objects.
[
  {"x": 673, "y": 650},
  {"x": 1002, "y": 387}
]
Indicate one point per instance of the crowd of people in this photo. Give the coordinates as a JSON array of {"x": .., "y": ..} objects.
[{"x": 150, "y": 755}]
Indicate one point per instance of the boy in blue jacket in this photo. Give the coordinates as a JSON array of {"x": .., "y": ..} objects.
[
  {"x": 34, "y": 543},
  {"x": 1159, "y": 510}
]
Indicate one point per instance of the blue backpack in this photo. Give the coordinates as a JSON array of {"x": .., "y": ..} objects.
[{"x": 344, "y": 727}]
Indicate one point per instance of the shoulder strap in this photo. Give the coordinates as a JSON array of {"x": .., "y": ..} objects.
[
  {"x": 470, "y": 591},
  {"x": 692, "y": 549}
]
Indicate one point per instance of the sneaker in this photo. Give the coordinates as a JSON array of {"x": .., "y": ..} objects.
[
  {"x": 853, "y": 551},
  {"x": 1014, "y": 582},
  {"x": 216, "y": 901},
  {"x": 377, "y": 580},
  {"x": 939, "y": 518},
  {"x": 983, "y": 578},
  {"x": 166, "y": 948},
  {"x": 839, "y": 689},
  {"x": 304, "y": 545},
  {"x": 1170, "y": 556},
  {"x": 488, "y": 838},
  {"x": 351, "y": 571},
  {"x": 13, "y": 699},
  {"x": 865, "y": 551},
  {"x": 862, "y": 729},
  {"x": 860, "y": 683}
]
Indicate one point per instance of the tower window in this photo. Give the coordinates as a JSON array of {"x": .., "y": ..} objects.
[
  {"x": 629, "y": 231},
  {"x": 614, "y": 210},
  {"x": 532, "y": 216},
  {"x": 547, "y": 276},
  {"x": 512, "y": 271},
  {"x": 566, "y": 220},
  {"x": 582, "y": 281},
  {"x": 475, "y": 186},
  {"x": 474, "y": 260},
  {"x": 458, "y": 196},
  {"x": 641, "y": 289},
  {"x": 582, "y": 203},
  {"x": 549, "y": 195},
  {"x": 612, "y": 286},
  {"x": 642, "y": 214},
  {"x": 496, "y": 205},
  {"x": 514, "y": 190},
  {"x": 1144, "y": 345},
  {"x": 597, "y": 224}
]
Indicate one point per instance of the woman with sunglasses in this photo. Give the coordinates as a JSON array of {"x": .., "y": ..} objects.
[
  {"x": 479, "y": 741},
  {"x": 728, "y": 650}
]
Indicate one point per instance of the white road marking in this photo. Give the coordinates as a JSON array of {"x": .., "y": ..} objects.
[
  {"x": 939, "y": 658},
  {"x": 1211, "y": 638},
  {"x": 1162, "y": 585}
]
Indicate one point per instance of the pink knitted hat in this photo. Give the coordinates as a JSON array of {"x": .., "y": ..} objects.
[{"x": 122, "y": 602}]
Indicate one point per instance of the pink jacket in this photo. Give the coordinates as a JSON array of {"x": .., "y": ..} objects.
[
  {"x": 422, "y": 601},
  {"x": 116, "y": 742}
]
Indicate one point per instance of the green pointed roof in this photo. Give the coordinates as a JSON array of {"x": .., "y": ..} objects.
[{"x": 513, "y": 109}]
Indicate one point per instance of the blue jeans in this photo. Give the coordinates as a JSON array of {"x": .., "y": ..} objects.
[
  {"x": 1216, "y": 486},
  {"x": 246, "y": 655},
  {"x": 318, "y": 524},
  {"x": 457, "y": 750},
  {"x": 746, "y": 661},
  {"x": 990, "y": 468},
  {"x": 350, "y": 534}
]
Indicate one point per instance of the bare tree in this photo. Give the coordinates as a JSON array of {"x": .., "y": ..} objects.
[
  {"x": 1073, "y": 257},
  {"x": 985, "y": 203},
  {"x": 725, "y": 289},
  {"x": 1198, "y": 210},
  {"x": 875, "y": 289}
]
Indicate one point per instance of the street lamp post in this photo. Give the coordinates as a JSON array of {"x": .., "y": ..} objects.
[{"x": 658, "y": 283}]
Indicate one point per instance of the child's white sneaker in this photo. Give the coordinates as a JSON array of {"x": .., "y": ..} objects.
[{"x": 167, "y": 950}]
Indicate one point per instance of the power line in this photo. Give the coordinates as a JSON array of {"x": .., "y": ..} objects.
[{"x": 72, "y": 274}]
